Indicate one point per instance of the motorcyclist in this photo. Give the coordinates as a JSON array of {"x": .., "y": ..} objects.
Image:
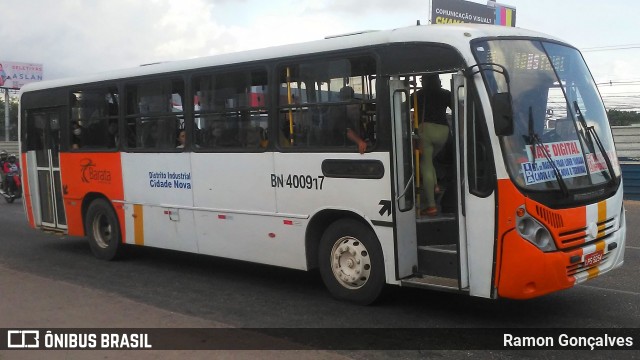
[
  {"x": 3, "y": 158},
  {"x": 10, "y": 168}
]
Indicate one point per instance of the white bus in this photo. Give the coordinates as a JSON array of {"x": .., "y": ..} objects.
[{"x": 248, "y": 156}]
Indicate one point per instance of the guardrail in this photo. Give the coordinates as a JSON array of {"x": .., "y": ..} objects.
[
  {"x": 10, "y": 146},
  {"x": 627, "y": 139}
]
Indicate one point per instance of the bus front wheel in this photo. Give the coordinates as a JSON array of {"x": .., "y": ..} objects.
[
  {"x": 103, "y": 230},
  {"x": 351, "y": 262}
]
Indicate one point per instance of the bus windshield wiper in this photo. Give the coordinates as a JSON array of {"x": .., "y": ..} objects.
[
  {"x": 593, "y": 135},
  {"x": 534, "y": 140}
]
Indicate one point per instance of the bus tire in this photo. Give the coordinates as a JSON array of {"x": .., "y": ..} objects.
[
  {"x": 103, "y": 230},
  {"x": 351, "y": 262}
]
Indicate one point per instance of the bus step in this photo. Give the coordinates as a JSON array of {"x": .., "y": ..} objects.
[
  {"x": 443, "y": 231},
  {"x": 52, "y": 231},
  {"x": 432, "y": 282},
  {"x": 443, "y": 248},
  {"x": 437, "y": 218},
  {"x": 438, "y": 260}
]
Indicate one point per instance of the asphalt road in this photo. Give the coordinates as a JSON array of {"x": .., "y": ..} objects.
[{"x": 244, "y": 295}]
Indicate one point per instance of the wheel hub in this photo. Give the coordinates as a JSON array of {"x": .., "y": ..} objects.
[
  {"x": 102, "y": 231},
  {"x": 350, "y": 262}
]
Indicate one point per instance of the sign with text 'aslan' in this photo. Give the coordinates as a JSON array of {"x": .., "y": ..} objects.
[{"x": 14, "y": 75}]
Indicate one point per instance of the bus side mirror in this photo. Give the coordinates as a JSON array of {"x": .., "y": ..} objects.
[{"x": 502, "y": 114}]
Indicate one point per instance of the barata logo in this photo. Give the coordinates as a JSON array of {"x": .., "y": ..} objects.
[{"x": 91, "y": 173}]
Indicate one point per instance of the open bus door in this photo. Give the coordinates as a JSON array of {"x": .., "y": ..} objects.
[
  {"x": 477, "y": 208},
  {"x": 44, "y": 139},
  {"x": 441, "y": 240},
  {"x": 456, "y": 248},
  {"x": 404, "y": 207}
]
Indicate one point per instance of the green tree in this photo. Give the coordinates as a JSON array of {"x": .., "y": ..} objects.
[
  {"x": 13, "y": 118},
  {"x": 623, "y": 118}
]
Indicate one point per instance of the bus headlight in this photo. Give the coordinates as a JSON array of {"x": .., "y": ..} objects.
[
  {"x": 543, "y": 239},
  {"x": 534, "y": 232},
  {"x": 526, "y": 227}
]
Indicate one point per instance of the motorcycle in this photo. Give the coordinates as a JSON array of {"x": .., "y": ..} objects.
[{"x": 13, "y": 187}]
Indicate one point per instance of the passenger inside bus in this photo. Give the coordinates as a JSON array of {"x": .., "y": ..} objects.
[
  {"x": 182, "y": 137},
  {"x": 346, "y": 119},
  {"x": 76, "y": 135},
  {"x": 353, "y": 119},
  {"x": 112, "y": 129},
  {"x": 285, "y": 133},
  {"x": 433, "y": 102}
]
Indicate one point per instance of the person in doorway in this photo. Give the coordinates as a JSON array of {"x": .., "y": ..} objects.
[{"x": 433, "y": 102}]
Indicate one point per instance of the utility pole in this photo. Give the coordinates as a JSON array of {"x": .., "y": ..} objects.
[{"x": 6, "y": 114}]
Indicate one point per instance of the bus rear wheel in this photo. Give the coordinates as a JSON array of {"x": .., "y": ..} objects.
[
  {"x": 351, "y": 262},
  {"x": 103, "y": 230}
]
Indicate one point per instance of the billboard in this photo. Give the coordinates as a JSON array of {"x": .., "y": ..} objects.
[
  {"x": 505, "y": 15},
  {"x": 13, "y": 75},
  {"x": 461, "y": 11}
]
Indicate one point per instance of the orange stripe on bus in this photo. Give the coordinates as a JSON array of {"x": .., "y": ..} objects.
[
  {"x": 600, "y": 246},
  {"x": 602, "y": 216},
  {"x": 138, "y": 224},
  {"x": 593, "y": 272},
  {"x": 26, "y": 191}
]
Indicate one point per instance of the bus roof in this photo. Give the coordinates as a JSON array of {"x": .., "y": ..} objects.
[{"x": 457, "y": 35}]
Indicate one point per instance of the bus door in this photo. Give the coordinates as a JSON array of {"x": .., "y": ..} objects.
[
  {"x": 440, "y": 240},
  {"x": 459, "y": 92},
  {"x": 404, "y": 207},
  {"x": 44, "y": 127},
  {"x": 477, "y": 208}
]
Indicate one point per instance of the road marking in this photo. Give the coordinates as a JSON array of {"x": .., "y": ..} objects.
[
  {"x": 632, "y": 247},
  {"x": 612, "y": 290}
]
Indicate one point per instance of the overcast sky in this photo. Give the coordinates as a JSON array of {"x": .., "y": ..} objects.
[{"x": 75, "y": 37}]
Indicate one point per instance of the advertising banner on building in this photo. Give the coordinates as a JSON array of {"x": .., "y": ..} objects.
[
  {"x": 13, "y": 75},
  {"x": 505, "y": 15},
  {"x": 461, "y": 11}
]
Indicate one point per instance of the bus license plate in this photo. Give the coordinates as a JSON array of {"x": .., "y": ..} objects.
[{"x": 593, "y": 258}]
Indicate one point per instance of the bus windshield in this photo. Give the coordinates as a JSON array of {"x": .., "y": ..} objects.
[{"x": 561, "y": 135}]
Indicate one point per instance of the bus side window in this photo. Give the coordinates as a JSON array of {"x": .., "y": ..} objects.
[
  {"x": 94, "y": 113},
  {"x": 154, "y": 115},
  {"x": 330, "y": 103},
  {"x": 230, "y": 109}
]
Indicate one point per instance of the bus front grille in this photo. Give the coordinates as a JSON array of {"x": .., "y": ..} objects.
[{"x": 578, "y": 236}]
